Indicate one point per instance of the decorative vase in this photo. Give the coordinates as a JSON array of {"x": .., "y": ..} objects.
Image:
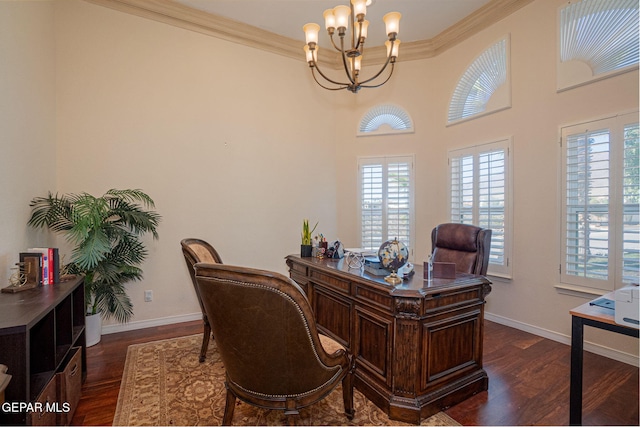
[
  {"x": 305, "y": 250},
  {"x": 93, "y": 329}
]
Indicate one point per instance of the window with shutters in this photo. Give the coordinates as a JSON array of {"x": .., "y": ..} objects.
[
  {"x": 600, "y": 214},
  {"x": 596, "y": 39},
  {"x": 480, "y": 195},
  {"x": 386, "y": 200}
]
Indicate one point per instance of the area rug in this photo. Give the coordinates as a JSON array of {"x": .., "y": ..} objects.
[{"x": 164, "y": 384}]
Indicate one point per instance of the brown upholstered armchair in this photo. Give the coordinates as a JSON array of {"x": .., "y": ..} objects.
[
  {"x": 465, "y": 245},
  {"x": 267, "y": 338},
  {"x": 194, "y": 251}
]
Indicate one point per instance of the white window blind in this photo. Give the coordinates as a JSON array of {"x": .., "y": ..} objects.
[
  {"x": 386, "y": 195},
  {"x": 479, "y": 195},
  {"x": 385, "y": 119},
  {"x": 602, "y": 35},
  {"x": 479, "y": 83},
  {"x": 601, "y": 240}
]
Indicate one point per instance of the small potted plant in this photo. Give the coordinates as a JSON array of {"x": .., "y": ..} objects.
[{"x": 305, "y": 247}]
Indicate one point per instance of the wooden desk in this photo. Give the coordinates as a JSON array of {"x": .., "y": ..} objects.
[
  {"x": 418, "y": 346},
  {"x": 597, "y": 317}
]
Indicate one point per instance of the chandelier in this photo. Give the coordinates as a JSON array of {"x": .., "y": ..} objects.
[{"x": 338, "y": 18}]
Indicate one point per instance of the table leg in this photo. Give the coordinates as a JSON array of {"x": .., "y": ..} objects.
[{"x": 575, "y": 387}]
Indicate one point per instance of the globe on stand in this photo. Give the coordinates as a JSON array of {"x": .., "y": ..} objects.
[{"x": 393, "y": 255}]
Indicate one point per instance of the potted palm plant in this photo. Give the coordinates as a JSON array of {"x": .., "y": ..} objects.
[{"x": 105, "y": 233}]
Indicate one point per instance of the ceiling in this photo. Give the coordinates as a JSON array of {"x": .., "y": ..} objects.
[{"x": 421, "y": 19}]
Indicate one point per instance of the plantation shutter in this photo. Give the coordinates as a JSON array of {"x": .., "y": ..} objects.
[
  {"x": 491, "y": 200},
  {"x": 631, "y": 206},
  {"x": 479, "y": 196},
  {"x": 600, "y": 212},
  {"x": 587, "y": 206},
  {"x": 399, "y": 201},
  {"x": 372, "y": 204},
  {"x": 386, "y": 208}
]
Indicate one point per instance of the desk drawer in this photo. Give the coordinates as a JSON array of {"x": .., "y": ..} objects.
[{"x": 337, "y": 284}]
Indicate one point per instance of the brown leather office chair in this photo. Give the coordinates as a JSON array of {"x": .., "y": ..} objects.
[
  {"x": 194, "y": 251},
  {"x": 267, "y": 338},
  {"x": 465, "y": 245}
]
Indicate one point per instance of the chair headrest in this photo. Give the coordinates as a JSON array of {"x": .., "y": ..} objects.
[{"x": 461, "y": 237}]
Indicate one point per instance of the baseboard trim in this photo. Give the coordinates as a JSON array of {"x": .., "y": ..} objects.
[
  {"x": 601, "y": 350},
  {"x": 132, "y": 326},
  {"x": 598, "y": 349}
]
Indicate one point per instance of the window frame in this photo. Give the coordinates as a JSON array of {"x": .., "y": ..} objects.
[
  {"x": 384, "y": 161},
  {"x": 504, "y": 270},
  {"x": 615, "y": 207}
]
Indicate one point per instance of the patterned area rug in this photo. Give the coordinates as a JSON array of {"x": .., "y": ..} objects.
[{"x": 164, "y": 384}]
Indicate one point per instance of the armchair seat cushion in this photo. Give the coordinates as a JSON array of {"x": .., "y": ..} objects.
[{"x": 329, "y": 344}]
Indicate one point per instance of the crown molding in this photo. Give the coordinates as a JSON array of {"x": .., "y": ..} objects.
[
  {"x": 176, "y": 14},
  {"x": 179, "y": 15}
]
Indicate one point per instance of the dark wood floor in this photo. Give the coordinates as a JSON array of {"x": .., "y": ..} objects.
[{"x": 528, "y": 381}]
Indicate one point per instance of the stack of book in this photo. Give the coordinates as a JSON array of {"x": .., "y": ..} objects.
[
  {"x": 48, "y": 265},
  {"x": 373, "y": 266}
]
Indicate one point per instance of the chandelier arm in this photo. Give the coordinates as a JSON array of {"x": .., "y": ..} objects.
[
  {"x": 344, "y": 62},
  {"x": 325, "y": 77},
  {"x": 380, "y": 72},
  {"x": 335, "y": 46},
  {"x": 326, "y": 87},
  {"x": 378, "y": 85}
]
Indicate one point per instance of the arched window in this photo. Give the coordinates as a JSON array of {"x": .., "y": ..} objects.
[
  {"x": 597, "y": 39},
  {"x": 385, "y": 119},
  {"x": 488, "y": 73}
]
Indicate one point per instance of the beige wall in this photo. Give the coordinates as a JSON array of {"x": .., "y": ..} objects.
[
  {"x": 27, "y": 122},
  {"x": 423, "y": 88},
  {"x": 228, "y": 140},
  {"x": 237, "y": 146}
]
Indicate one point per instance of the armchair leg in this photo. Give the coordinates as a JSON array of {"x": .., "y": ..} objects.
[
  {"x": 229, "y": 407},
  {"x": 291, "y": 412},
  {"x": 205, "y": 340},
  {"x": 347, "y": 395}
]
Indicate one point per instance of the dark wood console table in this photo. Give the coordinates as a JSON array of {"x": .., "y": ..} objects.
[
  {"x": 418, "y": 345},
  {"x": 42, "y": 342}
]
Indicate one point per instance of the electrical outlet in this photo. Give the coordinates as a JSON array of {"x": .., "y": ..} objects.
[{"x": 148, "y": 296}]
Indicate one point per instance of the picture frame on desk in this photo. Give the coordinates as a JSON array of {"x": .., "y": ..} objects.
[{"x": 32, "y": 263}]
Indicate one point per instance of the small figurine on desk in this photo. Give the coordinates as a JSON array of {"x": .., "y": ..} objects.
[
  {"x": 19, "y": 279},
  {"x": 355, "y": 259},
  {"x": 408, "y": 270}
]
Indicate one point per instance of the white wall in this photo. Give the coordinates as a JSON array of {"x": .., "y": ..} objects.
[
  {"x": 229, "y": 141},
  {"x": 424, "y": 89},
  {"x": 27, "y": 123}
]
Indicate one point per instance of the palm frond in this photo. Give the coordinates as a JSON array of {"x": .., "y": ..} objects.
[
  {"x": 112, "y": 300},
  {"x": 53, "y": 212}
]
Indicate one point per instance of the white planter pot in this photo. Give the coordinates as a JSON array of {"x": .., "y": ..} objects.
[{"x": 93, "y": 328}]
